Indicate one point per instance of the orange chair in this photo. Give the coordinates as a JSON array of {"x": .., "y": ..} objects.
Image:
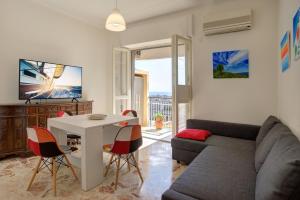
[
  {"x": 43, "y": 144},
  {"x": 128, "y": 140}
]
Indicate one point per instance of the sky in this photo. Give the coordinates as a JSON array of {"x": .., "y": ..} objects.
[
  {"x": 70, "y": 77},
  {"x": 160, "y": 73},
  {"x": 233, "y": 61}
]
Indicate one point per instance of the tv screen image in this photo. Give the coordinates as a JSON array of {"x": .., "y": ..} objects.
[{"x": 42, "y": 80}]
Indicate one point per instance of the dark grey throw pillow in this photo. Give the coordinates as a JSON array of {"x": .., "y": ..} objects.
[
  {"x": 265, "y": 128},
  {"x": 279, "y": 177},
  {"x": 266, "y": 144}
]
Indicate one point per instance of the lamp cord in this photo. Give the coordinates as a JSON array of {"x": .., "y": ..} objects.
[{"x": 116, "y": 3}]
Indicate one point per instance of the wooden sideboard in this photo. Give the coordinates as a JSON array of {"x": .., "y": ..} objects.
[{"x": 14, "y": 119}]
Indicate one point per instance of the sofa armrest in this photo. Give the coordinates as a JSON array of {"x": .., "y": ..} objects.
[{"x": 243, "y": 131}]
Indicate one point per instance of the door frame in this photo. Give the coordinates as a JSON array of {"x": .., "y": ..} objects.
[
  {"x": 127, "y": 97},
  {"x": 181, "y": 93},
  {"x": 184, "y": 90}
]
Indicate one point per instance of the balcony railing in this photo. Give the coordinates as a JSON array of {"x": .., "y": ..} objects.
[{"x": 160, "y": 104}]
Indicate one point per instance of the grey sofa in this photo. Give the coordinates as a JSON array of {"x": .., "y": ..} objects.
[{"x": 238, "y": 162}]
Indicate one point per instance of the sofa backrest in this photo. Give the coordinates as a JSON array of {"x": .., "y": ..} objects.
[
  {"x": 268, "y": 124},
  {"x": 243, "y": 131},
  {"x": 265, "y": 146},
  {"x": 279, "y": 176}
]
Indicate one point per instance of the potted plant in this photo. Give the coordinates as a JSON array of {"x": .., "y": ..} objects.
[{"x": 159, "y": 119}]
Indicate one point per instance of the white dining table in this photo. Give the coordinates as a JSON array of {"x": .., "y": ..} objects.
[{"x": 94, "y": 133}]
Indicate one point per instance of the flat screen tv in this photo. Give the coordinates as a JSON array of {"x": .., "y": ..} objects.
[{"x": 42, "y": 80}]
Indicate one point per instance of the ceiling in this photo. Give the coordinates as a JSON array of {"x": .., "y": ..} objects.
[{"x": 94, "y": 12}]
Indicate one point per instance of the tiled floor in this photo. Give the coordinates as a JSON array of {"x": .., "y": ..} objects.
[{"x": 157, "y": 167}]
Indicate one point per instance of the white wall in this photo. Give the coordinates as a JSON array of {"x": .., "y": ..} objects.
[
  {"x": 29, "y": 30},
  {"x": 234, "y": 100},
  {"x": 32, "y": 31},
  {"x": 289, "y": 81}
]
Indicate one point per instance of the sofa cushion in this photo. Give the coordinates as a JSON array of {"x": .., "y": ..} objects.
[
  {"x": 231, "y": 143},
  {"x": 266, "y": 144},
  {"x": 173, "y": 195},
  {"x": 219, "y": 174},
  {"x": 215, "y": 140},
  {"x": 279, "y": 176},
  {"x": 265, "y": 128}
]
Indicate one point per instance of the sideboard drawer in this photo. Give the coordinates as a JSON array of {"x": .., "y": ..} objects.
[{"x": 12, "y": 110}]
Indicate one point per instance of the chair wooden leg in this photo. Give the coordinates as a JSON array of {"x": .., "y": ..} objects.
[
  {"x": 109, "y": 164},
  {"x": 118, "y": 170},
  {"x": 71, "y": 167},
  {"x": 137, "y": 167},
  {"x": 116, "y": 164},
  {"x": 51, "y": 167},
  {"x": 128, "y": 163},
  {"x": 36, "y": 170},
  {"x": 54, "y": 175}
]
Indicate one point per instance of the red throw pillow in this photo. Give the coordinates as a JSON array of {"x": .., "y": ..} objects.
[{"x": 194, "y": 134}]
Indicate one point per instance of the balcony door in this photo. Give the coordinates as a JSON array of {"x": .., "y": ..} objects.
[
  {"x": 121, "y": 80},
  {"x": 181, "y": 81}
]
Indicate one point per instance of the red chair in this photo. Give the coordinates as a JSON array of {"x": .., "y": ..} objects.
[
  {"x": 43, "y": 144},
  {"x": 63, "y": 114},
  {"x": 128, "y": 140},
  {"x": 131, "y": 113}
]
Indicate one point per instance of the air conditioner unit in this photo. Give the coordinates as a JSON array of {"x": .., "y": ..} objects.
[{"x": 218, "y": 23}]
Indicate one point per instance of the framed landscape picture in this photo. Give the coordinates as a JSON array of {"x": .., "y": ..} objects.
[
  {"x": 296, "y": 34},
  {"x": 285, "y": 52},
  {"x": 231, "y": 64}
]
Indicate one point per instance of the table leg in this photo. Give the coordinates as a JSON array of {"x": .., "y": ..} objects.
[
  {"x": 91, "y": 158},
  {"x": 60, "y": 135}
]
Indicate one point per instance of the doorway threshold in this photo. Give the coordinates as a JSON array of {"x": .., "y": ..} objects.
[{"x": 164, "y": 134}]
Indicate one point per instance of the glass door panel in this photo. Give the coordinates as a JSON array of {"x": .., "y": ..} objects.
[{"x": 181, "y": 62}]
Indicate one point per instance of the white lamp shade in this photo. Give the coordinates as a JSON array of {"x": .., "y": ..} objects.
[{"x": 115, "y": 21}]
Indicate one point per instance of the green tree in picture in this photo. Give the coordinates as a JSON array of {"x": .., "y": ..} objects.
[{"x": 220, "y": 68}]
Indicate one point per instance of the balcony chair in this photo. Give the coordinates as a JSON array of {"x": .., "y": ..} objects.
[
  {"x": 127, "y": 141},
  {"x": 43, "y": 144}
]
